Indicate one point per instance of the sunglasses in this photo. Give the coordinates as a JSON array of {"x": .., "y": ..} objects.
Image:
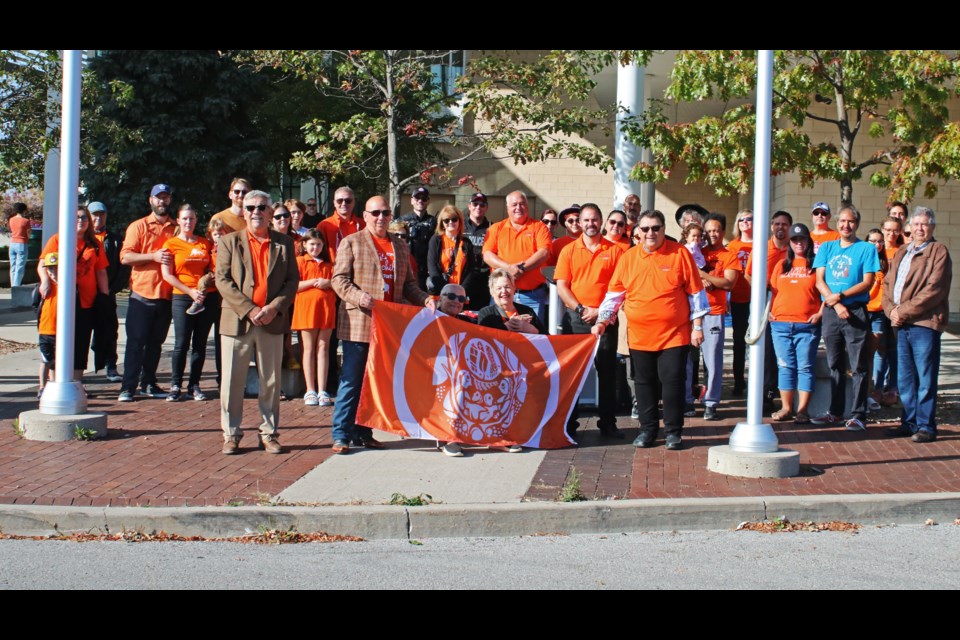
[
  {"x": 450, "y": 220},
  {"x": 550, "y": 223},
  {"x": 280, "y": 216},
  {"x": 746, "y": 219},
  {"x": 255, "y": 207},
  {"x": 455, "y": 296},
  {"x": 478, "y": 204},
  {"x": 654, "y": 227},
  {"x": 617, "y": 223},
  {"x": 820, "y": 213},
  {"x": 376, "y": 213},
  {"x": 422, "y": 198},
  {"x": 82, "y": 218},
  {"x": 240, "y": 192},
  {"x": 338, "y": 201}
]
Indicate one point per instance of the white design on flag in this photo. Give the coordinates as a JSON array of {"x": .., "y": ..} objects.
[{"x": 481, "y": 386}]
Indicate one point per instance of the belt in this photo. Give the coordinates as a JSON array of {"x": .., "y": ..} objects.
[{"x": 531, "y": 290}]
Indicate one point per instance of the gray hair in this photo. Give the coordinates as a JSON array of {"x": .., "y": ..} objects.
[
  {"x": 344, "y": 189},
  {"x": 925, "y": 211},
  {"x": 852, "y": 209},
  {"x": 256, "y": 195},
  {"x": 499, "y": 274}
]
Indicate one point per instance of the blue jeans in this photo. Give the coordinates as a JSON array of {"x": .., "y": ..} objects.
[
  {"x": 536, "y": 299},
  {"x": 345, "y": 428},
  {"x": 796, "y": 346},
  {"x": 18, "y": 263},
  {"x": 885, "y": 364},
  {"x": 918, "y": 350}
]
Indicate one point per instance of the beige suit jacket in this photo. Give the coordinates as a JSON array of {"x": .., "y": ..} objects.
[{"x": 235, "y": 282}]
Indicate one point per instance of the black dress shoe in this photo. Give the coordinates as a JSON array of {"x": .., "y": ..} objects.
[
  {"x": 923, "y": 436},
  {"x": 612, "y": 432},
  {"x": 674, "y": 443},
  {"x": 372, "y": 443},
  {"x": 644, "y": 441},
  {"x": 898, "y": 432}
]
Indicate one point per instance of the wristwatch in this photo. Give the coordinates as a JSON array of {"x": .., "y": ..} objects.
[
  {"x": 521, "y": 268},
  {"x": 580, "y": 309}
]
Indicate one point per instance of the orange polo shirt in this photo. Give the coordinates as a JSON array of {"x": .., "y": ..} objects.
[
  {"x": 819, "y": 238},
  {"x": 89, "y": 261},
  {"x": 719, "y": 261},
  {"x": 741, "y": 290},
  {"x": 588, "y": 273},
  {"x": 232, "y": 221},
  {"x": 774, "y": 258},
  {"x": 388, "y": 260},
  {"x": 657, "y": 285},
  {"x": 796, "y": 297},
  {"x": 191, "y": 260},
  {"x": 335, "y": 229},
  {"x": 558, "y": 245},
  {"x": 260, "y": 256},
  {"x": 147, "y": 235},
  {"x": 514, "y": 247}
]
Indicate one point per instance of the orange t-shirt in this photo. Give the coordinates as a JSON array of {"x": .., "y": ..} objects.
[
  {"x": 191, "y": 260},
  {"x": 89, "y": 261},
  {"x": 795, "y": 293},
  {"x": 335, "y": 229},
  {"x": 446, "y": 251},
  {"x": 514, "y": 247},
  {"x": 819, "y": 238},
  {"x": 19, "y": 229},
  {"x": 741, "y": 290},
  {"x": 260, "y": 256},
  {"x": 774, "y": 257},
  {"x": 314, "y": 308},
  {"x": 657, "y": 285},
  {"x": 719, "y": 261},
  {"x": 232, "y": 221},
  {"x": 388, "y": 261},
  {"x": 47, "y": 323},
  {"x": 558, "y": 245},
  {"x": 589, "y": 273},
  {"x": 147, "y": 235}
]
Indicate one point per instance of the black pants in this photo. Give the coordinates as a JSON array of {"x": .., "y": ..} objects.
[
  {"x": 191, "y": 333},
  {"x": 606, "y": 365},
  {"x": 651, "y": 371},
  {"x": 845, "y": 341},
  {"x": 105, "y": 329},
  {"x": 740, "y": 315},
  {"x": 148, "y": 322}
]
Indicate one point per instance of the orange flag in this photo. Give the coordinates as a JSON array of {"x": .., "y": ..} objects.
[{"x": 433, "y": 376}]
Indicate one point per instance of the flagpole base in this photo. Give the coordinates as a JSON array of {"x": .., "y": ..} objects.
[
  {"x": 782, "y": 463},
  {"x": 35, "y": 425},
  {"x": 63, "y": 399}
]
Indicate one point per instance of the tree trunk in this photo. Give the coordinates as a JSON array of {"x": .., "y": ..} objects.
[{"x": 393, "y": 169}]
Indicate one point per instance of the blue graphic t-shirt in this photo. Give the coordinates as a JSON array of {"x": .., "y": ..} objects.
[{"x": 845, "y": 267}]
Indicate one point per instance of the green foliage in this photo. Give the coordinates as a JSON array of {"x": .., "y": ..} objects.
[
  {"x": 17, "y": 429},
  {"x": 411, "y": 501},
  {"x": 24, "y": 140},
  {"x": 900, "y": 94},
  {"x": 82, "y": 433},
  {"x": 571, "y": 488}
]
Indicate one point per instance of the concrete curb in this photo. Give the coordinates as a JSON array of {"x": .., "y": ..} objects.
[{"x": 381, "y": 522}]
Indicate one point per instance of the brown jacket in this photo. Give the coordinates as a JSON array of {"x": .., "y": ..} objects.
[
  {"x": 235, "y": 282},
  {"x": 357, "y": 271},
  {"x": 923, "y": 301}
]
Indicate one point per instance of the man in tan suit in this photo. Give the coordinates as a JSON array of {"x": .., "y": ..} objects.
[
  {"x": 371, "y": 265},
  {"x": 257, "y": 277}
]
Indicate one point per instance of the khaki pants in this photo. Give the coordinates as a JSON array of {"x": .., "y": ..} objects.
[{"x": 237, "y": 352}]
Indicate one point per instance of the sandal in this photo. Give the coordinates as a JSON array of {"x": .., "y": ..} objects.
[
  {"x": 781, "y": 416},
  {"x": 802, "y": 418}
]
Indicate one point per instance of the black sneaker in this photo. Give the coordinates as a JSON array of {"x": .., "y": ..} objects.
[
  {"x": 674, "y": 443},
  {"x": 154, "y": 391},
  {"x": 710, "y": 413},
  {"x": 126, "y": 396},
  {"x": 174, "y": 394},
  {"x": 689, "y": 411},
  {"x": 196, "y": 394},
  {"x": 113, "y": 375}
]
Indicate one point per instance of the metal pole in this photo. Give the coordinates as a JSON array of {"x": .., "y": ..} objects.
[
  {"x": 630, "y": 94},
  {"x": 753, "y": 436},
  {"x": 66, "y": 396}
]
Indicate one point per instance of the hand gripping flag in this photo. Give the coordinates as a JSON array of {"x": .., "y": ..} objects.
[{"x": 430, "y": 375}]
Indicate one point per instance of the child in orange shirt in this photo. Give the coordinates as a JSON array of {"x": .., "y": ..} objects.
[
  {"x": 314, "y": 315},
  {"x": 47, "y": 323}
]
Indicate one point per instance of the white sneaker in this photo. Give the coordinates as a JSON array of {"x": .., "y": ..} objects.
[
  {"x": 872, "y": 405},
  {"x": 310, "y": 399},
  {"x": 452, "y": 449},
  {"x": 854, "y": 424}
]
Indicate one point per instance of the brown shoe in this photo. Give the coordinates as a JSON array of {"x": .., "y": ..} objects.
[
  {"x": 231, "y": 446},
  {"x": 270, "y": 444}
]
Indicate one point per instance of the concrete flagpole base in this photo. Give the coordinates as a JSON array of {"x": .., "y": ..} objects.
[
  {"x": 35, "y": 425},
  {"x": 781, "y": 463}
]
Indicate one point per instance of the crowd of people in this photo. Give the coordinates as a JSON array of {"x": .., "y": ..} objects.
[{"x": 264, "y": 271}]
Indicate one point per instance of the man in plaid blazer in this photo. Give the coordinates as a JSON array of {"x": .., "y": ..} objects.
[{"x": 370, "y": 265}]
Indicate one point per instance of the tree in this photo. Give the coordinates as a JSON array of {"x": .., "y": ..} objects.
[
  {"x": 186, "y": 118},
  {"x": 899, "y": 96},
  {"x": 24, "y": 140},
  {"x": 398, "y": 126}
]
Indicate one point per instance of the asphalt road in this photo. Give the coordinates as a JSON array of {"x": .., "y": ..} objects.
[{"x": 894, "y": 557}]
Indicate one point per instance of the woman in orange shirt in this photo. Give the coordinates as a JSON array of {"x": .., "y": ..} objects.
[
  {"x": 192, "y": 258},
  {"x": 795, "y": 324},
  {"x": 449, "y": 254},
  {"x": 616, "y": 228},
  {"x": 885, "y": 360},
  {"x": 742, "y": 245},
  {"x": 92, "y": 266},
  {"x": 315, "y": 315}
]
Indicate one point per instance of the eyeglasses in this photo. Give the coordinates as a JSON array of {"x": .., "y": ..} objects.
[
  {"x": 280, "y": 216},
  {"x": 550, "y": 223},
  {"x": 455, "y": 296},
  {"x": 338, "y": 201},
  {"x": 655, "y": 228},
  {"x": 450, "y": 220},
  {"x": 617, "y": 223},
  {"x": 240, "y": 192},
  {"x": 376, "y": 213},
  {"x": 255, "y": 207},
  {"x": 82, "y": 218}
]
